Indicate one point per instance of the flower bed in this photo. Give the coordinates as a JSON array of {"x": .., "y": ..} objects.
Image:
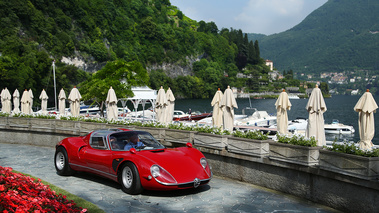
[{"x": 20, "y": 193}]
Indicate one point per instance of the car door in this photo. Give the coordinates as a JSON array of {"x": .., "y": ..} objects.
[{"x": 98, "y": 156}]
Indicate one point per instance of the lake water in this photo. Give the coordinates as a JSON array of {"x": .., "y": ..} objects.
[{"x": 338, "y": 107}]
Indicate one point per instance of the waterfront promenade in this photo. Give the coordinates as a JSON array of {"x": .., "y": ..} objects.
[{"x": 221, "y": 195}]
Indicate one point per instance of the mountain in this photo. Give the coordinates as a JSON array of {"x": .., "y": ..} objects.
[
  {"x": 341, "y": 35},
  {"x": 193, "y": 58}
]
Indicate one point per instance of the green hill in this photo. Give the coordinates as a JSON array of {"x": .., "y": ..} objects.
[
  {"x": 33, "y": 33},
  {"x": 341, "y": 35}
]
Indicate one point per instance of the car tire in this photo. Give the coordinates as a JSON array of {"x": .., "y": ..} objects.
[
  {"x": 129, "y": 179},
  {"x": 61, "y": 162}
]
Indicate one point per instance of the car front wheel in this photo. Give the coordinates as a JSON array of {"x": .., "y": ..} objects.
[
  {"x": 129, "y": 179},
  {"x": 61, "y": 162}
]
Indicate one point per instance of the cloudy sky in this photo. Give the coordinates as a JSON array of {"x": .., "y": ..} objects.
[{"x": 251, "y": 16}]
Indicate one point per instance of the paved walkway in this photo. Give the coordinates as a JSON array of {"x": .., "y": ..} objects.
[{"x": 220, "y": 195}]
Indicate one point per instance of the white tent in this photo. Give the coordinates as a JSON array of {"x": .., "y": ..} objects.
[{"x": 142, "y": 95}]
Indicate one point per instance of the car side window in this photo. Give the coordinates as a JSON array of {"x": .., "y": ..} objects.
[{"x": 98, "y": 143}]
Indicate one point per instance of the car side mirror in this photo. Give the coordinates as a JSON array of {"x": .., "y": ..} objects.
[
  {"x": 189, "y": 145},
  {"x": 133, "y": 150}
]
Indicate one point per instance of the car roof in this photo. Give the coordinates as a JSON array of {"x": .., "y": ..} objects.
[{"x": 104, "y": 132}]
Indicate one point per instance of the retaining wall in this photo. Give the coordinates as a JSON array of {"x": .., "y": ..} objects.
[{"x": 345, "y": 184}]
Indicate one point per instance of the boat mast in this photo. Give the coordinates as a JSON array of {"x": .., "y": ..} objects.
[{"x": 55, "y": 87}]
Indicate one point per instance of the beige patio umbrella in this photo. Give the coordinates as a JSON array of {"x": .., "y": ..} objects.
[
  {"x": 111, "y": 101},
  {"x": 25, "y": 102},
  {"x": 366, "y": 106},
  {"x": 62, "y": 102},
  {"x": 282, "y": 104},
  {"x": 217, "y": 111},
  {"x": 160, "y": 106},
  {"x": 6, "y": 101},
  {"x": 170, "y": 106},
  {"x": 228, "y": 103},
  {"x": 43, "y": 96},
  {"x": 316, "y": 108},
  {"x": 31, "y": 101},
  {"x": 74, "y": 98},
  {"x": 16, "y": 102}
]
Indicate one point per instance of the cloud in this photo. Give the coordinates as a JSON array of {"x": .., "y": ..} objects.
[
  {"x": 269, "y": 16},
  {"x": 252, "y": 16}
]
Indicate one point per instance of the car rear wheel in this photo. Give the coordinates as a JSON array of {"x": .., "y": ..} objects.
[
  {"x": 129, "y": 179},
  {"x": 61, "y": 162}
]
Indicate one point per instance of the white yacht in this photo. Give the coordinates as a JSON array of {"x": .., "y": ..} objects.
[
  {"x": 337, "y": 128},
  {"x": 258, "y": 118}
]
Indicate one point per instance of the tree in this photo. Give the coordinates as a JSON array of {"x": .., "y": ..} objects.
[
  {"x": 324, "y": 88},
  {"x": 119, "y": 74}
]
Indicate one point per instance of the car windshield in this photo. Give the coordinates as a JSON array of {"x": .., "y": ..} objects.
[{"x": 139, "y": 140}]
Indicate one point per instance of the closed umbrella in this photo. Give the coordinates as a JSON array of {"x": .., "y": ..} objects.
[
  {"x": 62, "y": 102},
  {"x": 217, "y": 111},
  {"x": 43, "y": 96},
  {"x": 6, "y": 101},
  {"x": 170, "y": 106},
  {"x": 366, "y": 106},
  {"x": 74, "y": 98},
  {"x": 111, "y": 101},
  {"x": 160, "y": 105},
  {"x": 228, "y": 103},
  {"x": 16, "y": 102},
  {"x": 316, "y": 108},
  {"x": 282, "y": 105},
  {"x": 31, "y": 101},
  {"x": 25, "y": 102}
]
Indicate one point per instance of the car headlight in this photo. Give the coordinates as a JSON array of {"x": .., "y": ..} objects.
[
  {"x": 155, "y": 171},
  {"x": 161, "y": 175},
  {"x": 204, "y": 162}
]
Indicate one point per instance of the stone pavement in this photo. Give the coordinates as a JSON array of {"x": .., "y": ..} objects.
[{"x": 221, "y": 195}]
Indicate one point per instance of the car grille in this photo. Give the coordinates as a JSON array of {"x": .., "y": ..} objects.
[{"x": 191, "y": 184}]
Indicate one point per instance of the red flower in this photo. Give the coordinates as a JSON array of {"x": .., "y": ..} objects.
[{"x": 24, "y": 194}]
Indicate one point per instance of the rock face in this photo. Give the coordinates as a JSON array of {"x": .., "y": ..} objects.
[
  {"x": 172, "y": 70},
  {"x": 79, "y": 62},
  {"x": 176, "y": 69}
]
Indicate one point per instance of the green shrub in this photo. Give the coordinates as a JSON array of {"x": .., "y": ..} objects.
[
  {"x": 352, "y": 148},
  {"x": 255, "y": 134},
  {"x": 4, "y": 114},
  {"x": 297, "y": 140}
]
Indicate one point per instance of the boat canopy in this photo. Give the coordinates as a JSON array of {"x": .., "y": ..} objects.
[{"x": 142, "y": 95}]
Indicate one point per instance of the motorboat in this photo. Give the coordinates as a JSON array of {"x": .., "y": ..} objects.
[
  {"x": 195, "y": 116},
  {"x": 298, "y": 124},
  {"x": 179, "y": 114},
  {"x": 293, "y": 97},
  {"x": 337, "y": 128},
  {"x": 258, "y": 118}
]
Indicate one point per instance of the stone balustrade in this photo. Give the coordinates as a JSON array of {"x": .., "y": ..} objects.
[{"x": 341, "y": 181}]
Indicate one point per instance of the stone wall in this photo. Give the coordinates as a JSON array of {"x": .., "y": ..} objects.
[{"x": 350, "y": 185}]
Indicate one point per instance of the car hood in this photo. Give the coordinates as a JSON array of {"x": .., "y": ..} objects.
[{"x": 184, "y": 166}]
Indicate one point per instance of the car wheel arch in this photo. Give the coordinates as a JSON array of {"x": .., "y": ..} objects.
[{"x": 134, "y": 186}]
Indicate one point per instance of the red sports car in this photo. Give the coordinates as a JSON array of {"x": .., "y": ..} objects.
[{"x": 135, "y": 159}]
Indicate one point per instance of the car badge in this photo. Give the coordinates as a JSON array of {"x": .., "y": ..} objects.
[{"x": 196, "y": 182}]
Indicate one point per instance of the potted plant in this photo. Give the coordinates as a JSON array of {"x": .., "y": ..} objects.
[
  {"x": 211, "y": 137},
  {"x": 348, "y": 159},
  {"x": 179, "y": 133},
  {"x": 252, "y": 143},
  {"x": 295, "y": 149}
]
